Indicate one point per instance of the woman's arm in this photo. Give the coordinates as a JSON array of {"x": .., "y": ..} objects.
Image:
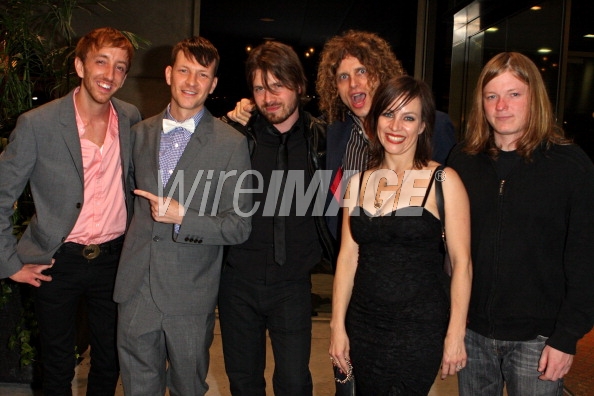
[
  {"x": 457, "y": 230},
  {"x": 344, "y": 276}
]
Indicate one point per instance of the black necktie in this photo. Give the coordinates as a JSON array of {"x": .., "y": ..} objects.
[{"x": 282, "y": 163}]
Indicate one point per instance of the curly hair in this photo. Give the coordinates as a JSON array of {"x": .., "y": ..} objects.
[
  {"x": 371, "y": 50},
  {"x": 541, "y": 127},
  {"x": 402, "y": 89}
]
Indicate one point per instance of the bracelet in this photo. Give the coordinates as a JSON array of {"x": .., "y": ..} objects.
[{"x": 349, "y": 374}]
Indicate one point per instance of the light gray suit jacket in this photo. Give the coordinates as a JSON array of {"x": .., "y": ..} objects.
[
  {"x": 44, "y": 149},
  {"x": 185, "y": 269}
]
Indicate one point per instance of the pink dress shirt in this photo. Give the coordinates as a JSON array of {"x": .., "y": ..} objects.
[{"x": 103, "y": 214}]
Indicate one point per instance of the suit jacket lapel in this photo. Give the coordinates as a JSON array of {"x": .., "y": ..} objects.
[
  {"x": 69, "y": 132},
  {"x": 338, "y": 136},
  {"x": 198, "y": 140},
  {"x": 154, "y": 145},
  {"x": 123, "y": 125}
]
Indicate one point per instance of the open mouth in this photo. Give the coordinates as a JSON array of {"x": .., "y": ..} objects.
[
  {"x": 395, "y": 139},
  {"x": 273, "y": 107},
  {"x": 358, "y": 99},
  {"x": 104, "y": 85}
]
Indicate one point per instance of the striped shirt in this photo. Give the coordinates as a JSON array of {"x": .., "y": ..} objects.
[{"x": 357, "y": 151}]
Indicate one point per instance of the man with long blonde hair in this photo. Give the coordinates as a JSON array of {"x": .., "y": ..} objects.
[{"x": 532, "y": 202}]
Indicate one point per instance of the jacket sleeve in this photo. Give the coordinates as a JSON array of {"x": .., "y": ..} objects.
[
  {"x": 231, "y": 224},
  {"x": 444, "y": 137},
  {"x": 16, "y": 164},
  {"x": 576, "y": 313}
]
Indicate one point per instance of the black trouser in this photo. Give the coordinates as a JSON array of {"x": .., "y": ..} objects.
[
  {"x": 56, "y": 305},
  {"x": 246, "y": 310}
]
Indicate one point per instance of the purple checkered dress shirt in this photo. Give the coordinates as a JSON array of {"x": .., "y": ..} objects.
[{"x": 172, "y": 147}]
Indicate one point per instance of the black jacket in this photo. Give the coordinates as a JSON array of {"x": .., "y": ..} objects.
[
  {"x": 532, "y": 245},
  {"x": 315, "y": 135}
]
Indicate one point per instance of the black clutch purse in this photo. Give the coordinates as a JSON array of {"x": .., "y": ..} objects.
[{"x": 345, "y": 382}]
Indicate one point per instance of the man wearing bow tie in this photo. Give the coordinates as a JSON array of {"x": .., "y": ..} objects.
[{"x": 187, "y": 166}]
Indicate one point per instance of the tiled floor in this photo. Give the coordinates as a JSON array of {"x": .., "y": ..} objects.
[
  {"x": 580, "y": 381},
  {"x": 217, "y": 380}
]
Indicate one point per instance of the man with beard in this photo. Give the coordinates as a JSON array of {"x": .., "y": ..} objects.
[
  {"x": 352, "y": 66},
  {"x": 266, "y": 282}
]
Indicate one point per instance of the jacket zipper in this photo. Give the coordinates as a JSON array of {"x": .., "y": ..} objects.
[
  {"x": 496, "y": 255},
  {"x": 501, "y": 185}
]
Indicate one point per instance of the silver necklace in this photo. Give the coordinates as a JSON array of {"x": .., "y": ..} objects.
[{"x": 378, "y": 203}]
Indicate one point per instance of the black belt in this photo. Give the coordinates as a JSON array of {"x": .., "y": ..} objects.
[{"x": 93, "y": 251}]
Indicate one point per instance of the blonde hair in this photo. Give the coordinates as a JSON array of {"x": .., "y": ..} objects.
[{"x": 541, "y": 127}]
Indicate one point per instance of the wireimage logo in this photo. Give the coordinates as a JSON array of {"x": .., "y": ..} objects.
[{"x": 381, "y": 183}]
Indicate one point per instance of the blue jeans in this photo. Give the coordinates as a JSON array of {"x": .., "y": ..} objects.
[{"x": 494, "y": 363}]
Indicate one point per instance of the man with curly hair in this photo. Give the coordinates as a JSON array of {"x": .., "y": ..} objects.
[{"x": 352, "y": 66}]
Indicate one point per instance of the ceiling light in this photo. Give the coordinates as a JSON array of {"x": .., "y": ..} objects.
[
  {"x": 544, "y": 50},
  {"x": 536, "y": 8},
  {"x": 492, "y": 29},
  {"x": 589, "y": 35}
]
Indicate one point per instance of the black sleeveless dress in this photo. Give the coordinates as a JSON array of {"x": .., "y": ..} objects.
[{"x": 399, "y": 308}]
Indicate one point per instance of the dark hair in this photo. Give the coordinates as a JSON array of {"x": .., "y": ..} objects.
[
  {"x": 104, "y": 37},
  {"x": 370, "y": 49},
  {"x": 281, "y": 61},
  {"x": 198, "y": 48},
  {"x": 404, "y": 89},
  {"x": 541, "y": 122}
]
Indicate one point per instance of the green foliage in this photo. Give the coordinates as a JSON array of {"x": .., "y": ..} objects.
[
  {"x": 36, "y": 52},
  {"x": 5, "y": 293},
  {"x": 25, "y": 333},
  {"x": 27, "y": 57}
]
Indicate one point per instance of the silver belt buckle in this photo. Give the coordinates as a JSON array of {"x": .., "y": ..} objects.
[{"x": 91, "y": 251}]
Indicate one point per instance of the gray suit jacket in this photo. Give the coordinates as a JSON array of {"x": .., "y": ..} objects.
[
  {"x": 45, "y": 150},
  {"x": 184, "y": 270}
]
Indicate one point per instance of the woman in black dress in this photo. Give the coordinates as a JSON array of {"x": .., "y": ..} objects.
[{"x": 392, "y": 314}]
